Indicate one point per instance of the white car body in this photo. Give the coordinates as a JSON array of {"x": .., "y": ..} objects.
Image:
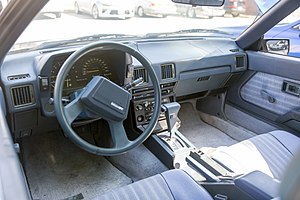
[
  {"x": 155, "y": 7},
  {"x": 106, "y": 9}
]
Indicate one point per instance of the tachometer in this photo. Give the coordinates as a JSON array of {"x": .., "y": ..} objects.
[{"x": 54, "y": 72}]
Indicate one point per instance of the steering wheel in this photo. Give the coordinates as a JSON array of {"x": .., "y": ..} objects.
[{"x": 105, "y": 99}]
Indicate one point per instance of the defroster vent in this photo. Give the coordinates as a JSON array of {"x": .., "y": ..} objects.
[
  {"x": 140, "y": 72},
  {"x": 22, "y": 95},
  {"x": 167, "y": 71}
]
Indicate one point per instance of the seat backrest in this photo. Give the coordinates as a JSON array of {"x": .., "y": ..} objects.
[{"x": 289, "y": 189}]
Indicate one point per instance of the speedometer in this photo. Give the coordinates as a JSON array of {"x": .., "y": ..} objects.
[{"x": 93, "y": 66}]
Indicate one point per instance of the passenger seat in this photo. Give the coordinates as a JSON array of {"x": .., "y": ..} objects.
[
  {"x": 263, "y": 160},
  {"x": 269, "y": 153}
]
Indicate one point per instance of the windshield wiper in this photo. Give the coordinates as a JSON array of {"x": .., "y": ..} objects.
[
  {"x": 187, "y": 31},
  {"x": 84, "y": 39}
]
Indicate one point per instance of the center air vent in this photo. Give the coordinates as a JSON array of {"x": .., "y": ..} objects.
[
  {"x": 22, "y": 96},
  {"x": 140, "y": 72},
  {"x": 240, "y": 61},
  {"x": 167, "y": 71}
]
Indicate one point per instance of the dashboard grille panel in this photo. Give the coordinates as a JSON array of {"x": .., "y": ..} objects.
[
  {"x": 22, "y": 95},
  {"x": 140, "y": 72},
  {"x": 167, "y": 71}
]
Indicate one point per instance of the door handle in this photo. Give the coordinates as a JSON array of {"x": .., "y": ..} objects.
[{"x": 265, "y": 95}]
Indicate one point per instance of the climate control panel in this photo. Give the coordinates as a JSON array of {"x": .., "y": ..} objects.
[
  {"x": 144, "y": 110},
  {"x": 143, "y": 103}
]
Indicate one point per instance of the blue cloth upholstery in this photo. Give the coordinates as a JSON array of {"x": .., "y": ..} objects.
[
  {"x": 262, "y": 159},
  {"x": 289, "y": 141},
  {"x": 258, "y": 185},
  {"x": 269, "y": 153},
  {"x": 170, "y": 185}
]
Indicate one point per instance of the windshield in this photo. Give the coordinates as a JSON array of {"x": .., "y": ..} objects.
[{"x": 63, "y": 20}]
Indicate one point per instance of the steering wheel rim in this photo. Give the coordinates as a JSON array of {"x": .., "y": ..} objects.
[{"x": 62, "y": 112}]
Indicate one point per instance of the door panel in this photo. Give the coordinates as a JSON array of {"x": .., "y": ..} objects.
[
  {"x": 275, "y": 64},
  {"x": 265, "y": 91},
  {"x": 270, "y": 90}
]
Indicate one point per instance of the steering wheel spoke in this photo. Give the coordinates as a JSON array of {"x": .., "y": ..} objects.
[
  {"x": 73, "y": 109},
  {"x": 118, "y": 134}
]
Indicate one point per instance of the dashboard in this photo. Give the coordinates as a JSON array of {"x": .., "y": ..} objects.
[{"x": 186, "y": 68}]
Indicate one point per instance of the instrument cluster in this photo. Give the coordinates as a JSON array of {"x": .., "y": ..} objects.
[{"x": 82, "y": 72}]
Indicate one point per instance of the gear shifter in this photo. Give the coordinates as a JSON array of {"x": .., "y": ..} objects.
[{"x": 171, "y": 110}]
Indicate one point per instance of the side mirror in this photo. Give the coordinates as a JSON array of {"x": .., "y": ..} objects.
[{"x": 278, "y": 46}]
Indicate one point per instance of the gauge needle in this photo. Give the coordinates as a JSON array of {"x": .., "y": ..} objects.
[{"x": 93, "y": 71}]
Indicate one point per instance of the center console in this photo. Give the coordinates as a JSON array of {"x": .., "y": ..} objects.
[{"x": 176, "y": 151}]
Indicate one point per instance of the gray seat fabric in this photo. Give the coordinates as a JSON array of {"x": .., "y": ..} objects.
[
  {"x": 269, "y": 153},
  {"x": 170, "y": 185},
  {"x": 258, "y": 185},
  {"x": 289, "y": 189}
]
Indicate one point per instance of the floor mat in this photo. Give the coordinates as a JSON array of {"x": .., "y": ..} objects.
[
  {"x": 235, "y": 131},
  {"x": 198, "y": 132},
  {"x": 57, "y": 169},
  {"x": 138, "y": 163}
]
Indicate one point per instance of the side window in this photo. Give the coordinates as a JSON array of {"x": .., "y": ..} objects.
[
  {"x": 284, "y": 38},
  {"x": 3, "y": 4}
]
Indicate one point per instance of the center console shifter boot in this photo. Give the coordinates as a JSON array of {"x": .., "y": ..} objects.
[
  {"x": 171, "y": 110},
  {"x": 258, "y": 185}
]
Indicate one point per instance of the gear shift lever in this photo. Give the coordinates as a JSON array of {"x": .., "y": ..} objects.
[{"x": 171, "y": 110}]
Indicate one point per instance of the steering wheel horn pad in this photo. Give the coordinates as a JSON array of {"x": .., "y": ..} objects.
[{"x": 106, "y": 99}]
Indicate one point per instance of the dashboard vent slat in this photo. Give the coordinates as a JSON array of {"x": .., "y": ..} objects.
[
  {"x": 22, "y": 96},
  {"x": 140, "y": 72},
  {"x": 167, "y": 71},
  {"x": 240, "y": 61},
  {"x": 18, "y": 77}
]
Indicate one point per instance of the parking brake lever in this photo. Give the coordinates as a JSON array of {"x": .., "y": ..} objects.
[{"x": 171, "y": 110}]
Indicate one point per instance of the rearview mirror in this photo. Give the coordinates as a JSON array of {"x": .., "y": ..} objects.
[
  {"x": 201, "y": 2},
  {"x": 278, "y": 46}
]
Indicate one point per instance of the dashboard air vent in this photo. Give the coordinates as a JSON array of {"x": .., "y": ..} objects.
[
  {"x": 167, "y": 71},
  {"x": 18, "y": 77},
  {"x": 22, "y": 96},
  {"x": 203, "y": 78},
  {"x": 140, "y": 72},
  {"x": 240, "y": 61}
]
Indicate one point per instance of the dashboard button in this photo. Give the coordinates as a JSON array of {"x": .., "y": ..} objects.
[
  {"x": 140, "y": 118},
  {"x": 139, "y": 107}
]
